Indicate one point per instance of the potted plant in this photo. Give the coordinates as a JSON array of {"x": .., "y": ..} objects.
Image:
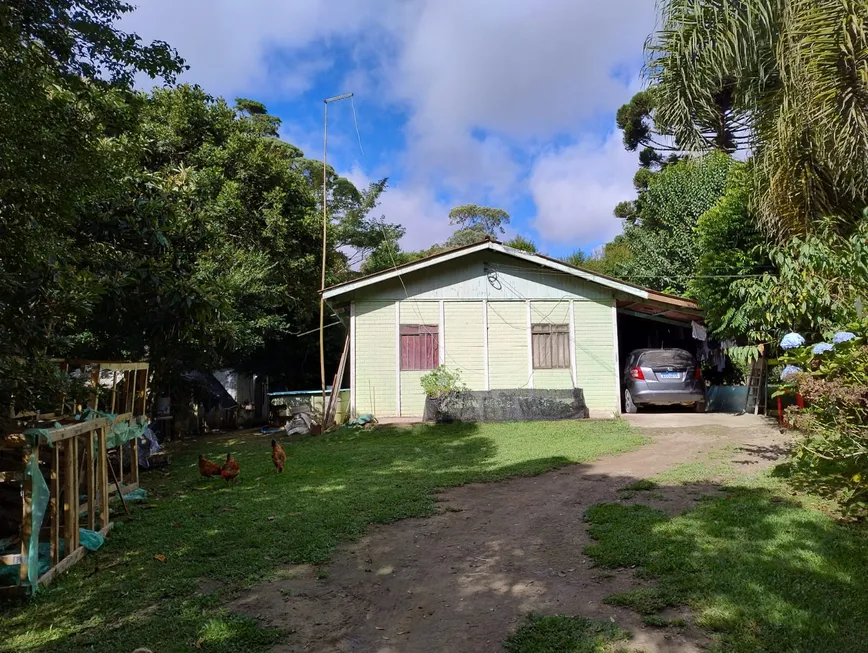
[{"x": 439, "y": 384}]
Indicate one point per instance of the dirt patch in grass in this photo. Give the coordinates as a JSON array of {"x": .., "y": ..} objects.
[{"x": 466, "y": 578}]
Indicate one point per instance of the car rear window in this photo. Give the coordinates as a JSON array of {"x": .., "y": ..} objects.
[{"x": 667, "y": 358}]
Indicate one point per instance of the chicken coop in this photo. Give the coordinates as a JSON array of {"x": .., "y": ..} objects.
[{"x": 59, "y": 473}]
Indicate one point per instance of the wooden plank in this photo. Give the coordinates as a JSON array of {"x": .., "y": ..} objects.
[
  {"x": 110, "y": 366},
  {"x": 70, "y": 500},
  {"x": 129, "y": 488},
  {"x": 93, "y": 404},
  {"x": 102, "y": 476},
  {"x": 52, "y": 506},
  {"x": 334, "y": 397},
  {"x": 134, "y": 461},
  {"x": 133, "y": 378},
  {"x": 72, "y": 430},
  {"x": 76, "y": 485},
  {"x": 91, "y": 485},
  {"x": 144, "y": 392},
  {"x": 11, "y": 559},
  {"x": 114, "y": 390},
  {"x": 120, "y": 475},
  {"x": 70, "y": 560},
  {"x": 26, "y": 509}
]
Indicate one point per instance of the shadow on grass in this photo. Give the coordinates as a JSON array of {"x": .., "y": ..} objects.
[
  {"x": 217, "y": 539},
  {"x": 764, "y": 573}
]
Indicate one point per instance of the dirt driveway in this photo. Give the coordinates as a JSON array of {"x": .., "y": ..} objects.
[{"x": 462, "y": 580}]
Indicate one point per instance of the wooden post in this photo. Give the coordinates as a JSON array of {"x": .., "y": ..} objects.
[
  {"x": 132, "y": 390},
  {"x": 64, "y": 367},
  {"x": 120, "y": 464},
  {"x": 26, "y": 509},
  {"x": 94, "y": 379},
  {"x": 134, "y": 461},
  {"x": 102, "y": 461},
  {"x": 52, "y": 505},
  {"x": 114, "y": 389},
  {"x": 75, "y": 487},
  {"x": 70, "y": 500},
  {"x": 91, "y": 485}
]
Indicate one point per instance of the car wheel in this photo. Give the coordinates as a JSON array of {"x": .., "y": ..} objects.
[
  {"x": 699, "y": 406},
  {"x": 629, "y": 406}
]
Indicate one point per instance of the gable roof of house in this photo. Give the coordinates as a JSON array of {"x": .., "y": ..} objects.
[{"x": 690, "y": 307}]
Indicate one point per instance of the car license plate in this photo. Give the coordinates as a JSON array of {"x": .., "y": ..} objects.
[{"x": 669, "y": 375}]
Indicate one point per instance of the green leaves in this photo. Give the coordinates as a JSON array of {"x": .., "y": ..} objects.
[
  {"x": 790, "y": 78},
  {"x": 660, "y": 231},
  {"x": 817, "y": 281}
]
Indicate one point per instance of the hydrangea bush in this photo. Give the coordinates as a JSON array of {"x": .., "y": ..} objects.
[{"x": 831, "y": 454}]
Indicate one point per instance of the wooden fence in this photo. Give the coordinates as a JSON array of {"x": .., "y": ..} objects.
[{"x": 74, "y": 461}]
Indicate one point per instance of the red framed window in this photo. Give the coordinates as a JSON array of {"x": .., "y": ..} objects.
[{"x": 420, "y": 348}]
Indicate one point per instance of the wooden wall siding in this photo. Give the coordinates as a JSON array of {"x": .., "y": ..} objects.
[
  {"x": 595, "y": 354},
  {"x": 508, "y": 345},
  {"x": 375, "y": 358},
  {"x": 377, "y": 361},
  {"x": 413, "y": 312},
  {"x": 465, "y": 349},
  {"x": 553, "y": 312},
  {"x": 466, "y": 279}
]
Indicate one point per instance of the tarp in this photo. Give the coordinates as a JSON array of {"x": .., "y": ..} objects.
[
  {"x": 517, "y": 405},
  {"x": 119, "y": 434}
]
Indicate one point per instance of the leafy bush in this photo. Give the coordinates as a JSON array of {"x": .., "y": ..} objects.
[
  {"x": 817, "y": 282},
  {"x": 662, "y": 236},
  {"x": 441, "y": 382},
  {"x": 831, "y": 456},
  {"x": 729, "y": 244}
]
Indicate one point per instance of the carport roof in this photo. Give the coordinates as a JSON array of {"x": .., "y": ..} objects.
[{"x": 633, "y": 298}]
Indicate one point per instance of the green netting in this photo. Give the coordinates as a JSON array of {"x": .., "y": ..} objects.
[
  {"x": 90, "y": 540},
  {"x": 38, "y": 506},
  {"x": 139, "y": 494},
  {"x": 119, "y": 434}
]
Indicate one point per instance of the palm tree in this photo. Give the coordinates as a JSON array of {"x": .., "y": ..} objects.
[{"x": 787, "y": 79}]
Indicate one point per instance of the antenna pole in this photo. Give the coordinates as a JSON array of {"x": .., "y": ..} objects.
[{"x": 325, "y": 223}]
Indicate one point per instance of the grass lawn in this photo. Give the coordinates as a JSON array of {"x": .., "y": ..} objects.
[
  {"x": 762, "y": 573},
  {"x": 334, "y": 486},
  {"x": 559, "y": 634}
]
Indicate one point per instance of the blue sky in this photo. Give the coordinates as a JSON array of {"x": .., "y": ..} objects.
[{"x": 508, "y": 103}]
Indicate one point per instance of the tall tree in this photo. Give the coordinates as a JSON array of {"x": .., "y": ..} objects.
[
  {"x": 476, "y": 223},
  {"x": 662, "y": 237},
  {"x": 794, "y": 76},
  {"x": 522, "y": 243},
  {"x": 65, "y": 78}
]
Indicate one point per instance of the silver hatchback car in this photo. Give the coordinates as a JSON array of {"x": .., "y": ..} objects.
[{"x": 662, "y": 377}]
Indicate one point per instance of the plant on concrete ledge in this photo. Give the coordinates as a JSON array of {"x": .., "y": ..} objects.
[{"x": 441, "y": 382}]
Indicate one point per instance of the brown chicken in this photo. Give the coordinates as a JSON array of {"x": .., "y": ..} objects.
[
  {"x": 278, "y": 455},
  {"x": 208, "y": 468},
  {"x": 231, "y": 469}
]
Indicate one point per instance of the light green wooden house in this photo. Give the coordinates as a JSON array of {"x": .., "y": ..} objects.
[{"x": 504, "y": 318}]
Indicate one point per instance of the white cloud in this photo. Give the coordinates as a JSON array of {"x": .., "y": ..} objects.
[
  {"x": 486, "y": 87},
  {"x": 415, "y": 208},
  {"x": 576, "y": 188},
  {"x": 228, "y": 44},
  {"x": 519, "y": 69}
]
